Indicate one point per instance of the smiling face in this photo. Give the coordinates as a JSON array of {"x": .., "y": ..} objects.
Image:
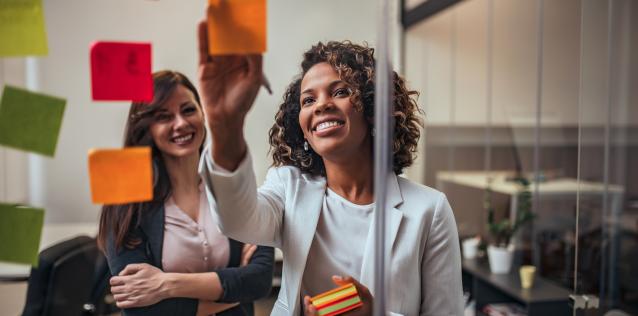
[
  {"x": 330, "y": 123},
  {"x": 178, "y": 126}
]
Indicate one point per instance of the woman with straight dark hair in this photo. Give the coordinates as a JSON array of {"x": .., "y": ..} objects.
[{"x": 168, "y": 256}]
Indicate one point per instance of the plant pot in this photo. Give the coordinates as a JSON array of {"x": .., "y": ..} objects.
[{"x": 500, "y": 259}]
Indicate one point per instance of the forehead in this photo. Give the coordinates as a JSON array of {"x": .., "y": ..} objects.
[
  {"x": 179, "y": 96},
  {"x": 319, "y": 75}
]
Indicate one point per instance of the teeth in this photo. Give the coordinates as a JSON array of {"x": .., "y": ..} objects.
[
  {"x": 325, "y": 125},
  {"x": 183, "y": 138}
]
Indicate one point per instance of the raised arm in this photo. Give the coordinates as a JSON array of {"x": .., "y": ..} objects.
[{"x": 228, "y": 86}]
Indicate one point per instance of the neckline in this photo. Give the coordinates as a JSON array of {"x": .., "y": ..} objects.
[{"x": 332, "y": 194}]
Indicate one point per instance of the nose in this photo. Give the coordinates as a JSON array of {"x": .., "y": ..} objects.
[
  {"x": 323, "y": 103},
  {"x": 180, "y": 122}
]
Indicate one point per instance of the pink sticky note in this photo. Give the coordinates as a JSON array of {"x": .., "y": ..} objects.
[{"x": 121, "y": 71}]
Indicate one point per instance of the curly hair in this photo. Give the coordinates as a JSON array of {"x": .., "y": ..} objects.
[{"x": 355, "y": 66}]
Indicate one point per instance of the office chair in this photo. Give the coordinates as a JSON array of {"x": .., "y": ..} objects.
[{"x": 63, "y": 281}]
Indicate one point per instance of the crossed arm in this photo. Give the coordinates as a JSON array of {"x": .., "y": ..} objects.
[{"x": 143, "y": 289}]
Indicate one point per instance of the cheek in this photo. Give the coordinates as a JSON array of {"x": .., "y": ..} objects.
[
  {"x": 156, "y": 131},
  {"x": 304, "y": 118}
]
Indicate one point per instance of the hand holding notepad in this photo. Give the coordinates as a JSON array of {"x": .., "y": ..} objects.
[
  {"x": 337, "y": 301},
  {"x": 351, "y": 296}
]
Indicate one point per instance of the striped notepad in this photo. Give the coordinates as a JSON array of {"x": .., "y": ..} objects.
[{"x": 337, "y": 301}]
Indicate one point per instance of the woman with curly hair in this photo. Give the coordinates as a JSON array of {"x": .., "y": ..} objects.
[{"x": 317, "y": 201}]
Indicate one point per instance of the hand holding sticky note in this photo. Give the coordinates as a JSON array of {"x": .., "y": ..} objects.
[
  {"x": 121, "y": 71},
  {"x": 337, "y": 301},
  {"x": 120, "y": 176},
  {"x": 20, "y": 231},
  {"x": 236, "y": 27},
  {"x": 30, "y": 121}
]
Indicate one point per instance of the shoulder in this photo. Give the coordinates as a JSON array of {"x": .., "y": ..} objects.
[
  {"x": 292, "y": 174},
  {"x": 416, "y": 193}
]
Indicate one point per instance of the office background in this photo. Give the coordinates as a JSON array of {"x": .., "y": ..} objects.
[{"x": 504, "y": 86}]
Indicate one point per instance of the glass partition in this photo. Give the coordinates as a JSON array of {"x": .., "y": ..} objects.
[{"x": 531, "y": 106}]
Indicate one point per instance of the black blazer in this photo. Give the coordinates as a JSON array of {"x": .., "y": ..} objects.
[{"x": 240, "y": 284}]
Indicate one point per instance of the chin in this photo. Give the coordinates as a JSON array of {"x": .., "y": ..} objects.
[{"x": 183, "y": 152}]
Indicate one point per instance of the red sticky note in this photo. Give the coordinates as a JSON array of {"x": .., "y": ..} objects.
[
  {"x": 121, "y": 71},
  {"x": 121, "y": 176},
  {"x": 236, "y": 27}
]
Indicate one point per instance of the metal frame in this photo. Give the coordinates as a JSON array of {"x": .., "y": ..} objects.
[{"x": 423, "y": 11}]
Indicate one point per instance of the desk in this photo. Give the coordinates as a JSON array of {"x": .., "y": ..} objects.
[
  {"x": 547, "y": 189},
  {"x": 51, "y": 234},
  {"x": 544, "y": 298}
]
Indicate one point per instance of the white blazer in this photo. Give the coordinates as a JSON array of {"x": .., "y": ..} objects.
[{"x": 425, "y": 277}]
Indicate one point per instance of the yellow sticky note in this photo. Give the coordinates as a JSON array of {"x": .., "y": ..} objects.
[
  {"x": 236, "y": 27},
  {"x": 120, "y": 176},
  {"x": 22, "y": 31}
]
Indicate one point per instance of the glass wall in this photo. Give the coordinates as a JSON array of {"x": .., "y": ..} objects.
[{"x": 531, "y": 107}]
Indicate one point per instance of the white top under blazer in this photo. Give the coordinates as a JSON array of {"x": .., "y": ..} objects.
[{"x": 425, "y": 277}]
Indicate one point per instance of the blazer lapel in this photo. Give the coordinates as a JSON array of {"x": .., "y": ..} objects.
[
  {"x": 307, "y": 211},
  {"x": 392, "y": 228},
  {"x": 153, "y": 227}
]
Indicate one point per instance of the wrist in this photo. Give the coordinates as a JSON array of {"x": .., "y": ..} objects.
[
  {"x": 169, "y": 285},
  {"x": 228, "y": 148}
]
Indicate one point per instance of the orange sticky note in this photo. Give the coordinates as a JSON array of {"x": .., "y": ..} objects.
[
  {"x": 121, "y": 176},
  {"x": 236, "y": 27}
]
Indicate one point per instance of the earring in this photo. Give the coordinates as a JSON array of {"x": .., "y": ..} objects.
[
  {"x": 305, "y": 145},
  {"x": 373, "y": 132}
]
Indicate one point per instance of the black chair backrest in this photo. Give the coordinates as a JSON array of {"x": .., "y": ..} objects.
[{"x": 62, "y": 282}]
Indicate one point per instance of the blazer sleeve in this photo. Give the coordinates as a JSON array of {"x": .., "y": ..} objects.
[
  {"x": 118, "y": 260},
  {"x": 251, "y": 282},
  {"x": 244, "y": 213},
  {"x": 441, "y": 287}
]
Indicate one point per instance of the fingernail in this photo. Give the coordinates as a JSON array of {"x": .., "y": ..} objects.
[
  {"x": 266, "y": 84},
  {"x": 337, "y": 277}
]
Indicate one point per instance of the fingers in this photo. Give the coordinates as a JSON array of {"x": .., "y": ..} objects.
[
  {"x": 255, "y": 66},
  {"x": 266, "y": 83},
  {"x": 131, "y": 269},
  {"x": 118, "y": 289},
  {"x": 117, "y": 280},
  {"x": 127, "y": 303},
  {"x": 247, "y": 252},
  {"x": 202, "y": 35},
  {"x": 310, "y": 309},
  {"x": 250, "y": 252},
  {"x": 339, "y": 280}
]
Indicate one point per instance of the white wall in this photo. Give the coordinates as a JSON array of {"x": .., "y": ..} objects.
[
  {"x": 60, "y": 184},
  {"x": 456, "y": 94}
]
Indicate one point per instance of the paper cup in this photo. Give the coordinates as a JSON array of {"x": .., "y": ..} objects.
[
  {"x": 527, "y": 276},
  {"x": 470, "y": 247}
]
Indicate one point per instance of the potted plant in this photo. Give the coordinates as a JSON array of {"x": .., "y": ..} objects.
[{"x": 500, "y": 250}]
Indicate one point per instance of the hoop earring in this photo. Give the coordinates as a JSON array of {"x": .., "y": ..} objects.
[{"x": 305, "y": 145}]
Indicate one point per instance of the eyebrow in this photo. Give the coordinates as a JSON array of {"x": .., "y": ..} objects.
[{"x": 330, "y": 86}]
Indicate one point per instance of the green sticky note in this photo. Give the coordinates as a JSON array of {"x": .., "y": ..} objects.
[
  {"x": 22, "y": 29},
  {"x": 20, "y": 231},
  {"x": 30, "y": 121}
]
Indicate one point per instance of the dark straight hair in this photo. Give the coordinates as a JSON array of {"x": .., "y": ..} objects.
[{"x": 120, "y": 220}]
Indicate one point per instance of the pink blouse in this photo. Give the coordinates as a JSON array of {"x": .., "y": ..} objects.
[{"x": 193, "y": 246}]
